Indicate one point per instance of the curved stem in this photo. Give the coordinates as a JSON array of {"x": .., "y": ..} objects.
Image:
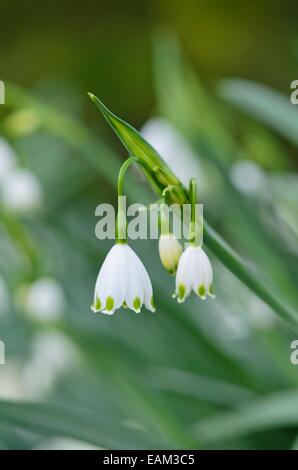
[
  {"x": 195, "y": 235},
  {"x": 129, "y": 161},
  {"x": 121, "y": 226}
]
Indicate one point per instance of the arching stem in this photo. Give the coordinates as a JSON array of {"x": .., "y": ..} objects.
[{"x": 121, "y": 224}]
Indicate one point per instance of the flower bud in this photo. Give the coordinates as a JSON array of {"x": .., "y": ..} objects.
[{"x": 170, "y": 251}]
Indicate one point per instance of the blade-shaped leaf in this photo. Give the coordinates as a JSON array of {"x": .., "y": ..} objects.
[
  {"x": 56, "y": 420},
  {"x": 133, "y": 141},
  {"x": 264, "y": 104},
  {"x": 269, "y": 413}
]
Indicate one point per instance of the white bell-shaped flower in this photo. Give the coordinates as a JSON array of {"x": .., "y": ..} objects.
[
  {"x": 194, "y": 273},
  {"x": 122, "y": 281},
  {"x": 170, "y": 251}
]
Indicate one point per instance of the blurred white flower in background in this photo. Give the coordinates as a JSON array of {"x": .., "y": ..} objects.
[
  {"x": 260, "y": 315},
  {"x": 22, "y": 122},
  {"x": 8, "y": 160},
  {"x": 175, "y": 150},
  {"x": 238, "y": 316},
  {"x": 248, "y": 177},
  {"x": 10, "y": 383},
  {"x": 64, "y": 443},
  {"x": 283, "y": 220},
  {"x": 44, "y": 300},
  {"x": 4, "y": 297},
  {"x": 52, "y": 355},
  {"x": 21, "y": 191}
]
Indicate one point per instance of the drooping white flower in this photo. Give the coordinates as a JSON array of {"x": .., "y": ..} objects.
[
  {"x": 194, "y": 273},
  {"x": 122, "y": 281},
  {"x": 170, "y": 251},
  {"x": 21, "y": 191}
]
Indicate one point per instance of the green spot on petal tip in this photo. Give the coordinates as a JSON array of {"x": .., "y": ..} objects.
[
  {"x": 109, "y": 303},
  {"x": 211, "y": 291},
  {"x": 202, "y": 292},
  {"x": 137, "y": 304},
  {"x": 181, "y": 292}
]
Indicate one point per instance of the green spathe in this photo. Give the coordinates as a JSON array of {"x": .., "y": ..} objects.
[{"x": 137, "y": 146}]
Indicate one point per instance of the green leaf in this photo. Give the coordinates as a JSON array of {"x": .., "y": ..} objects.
[
  {"x": 73, "y": 133},
  {"x": 64, "y": 127},
  {"x": 136, "y": 145},
  {"x": 198, "y": 386},
  {"x": 56, "y": 420},
  {"x": 264, "y": 104},
  {"x": 250, "y": 277},
  {"x": 270, "y": 412}
]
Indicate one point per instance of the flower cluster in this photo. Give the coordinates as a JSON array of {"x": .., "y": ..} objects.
[{"x": 123, "y": 280}]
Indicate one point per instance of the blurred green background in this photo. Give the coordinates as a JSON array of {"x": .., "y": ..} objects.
[{"x": 209, "y": 85}]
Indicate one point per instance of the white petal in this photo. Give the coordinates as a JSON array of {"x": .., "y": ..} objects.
[
  {"x": 108, "y": 287},
  {"x": 134, "y": 296},
  {"x": 194, "y": 272},
  {"x": 198, "y": 283},
  {"x": 203, "y": 278},
  {"x": 146, "y": 286},
  {"x": 185, "y": 273},
  {"x": 207, "y": 269}
]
